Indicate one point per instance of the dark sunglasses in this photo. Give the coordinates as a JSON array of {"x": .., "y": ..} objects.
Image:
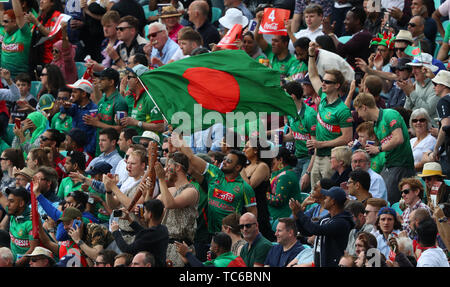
[
  {"x": 228, "y": 160},
  {"x": 369, "y": 211},
  {"x": 145, "y": 144},
  {"x": 98, "y": 263},
  {"x": 44, "y": 138},
  {"x": 43, "y": 74},
  {"x": 131, "y": 77},
  {"x": 329, "y": 82},
  {"x": 406, "y": 191},
  {"x": 248, "y": 225},
  {"x": 3, "y": 158},
  {"x": 412, "y": 24},
  {"x": 418, "y": 120},
  {"x": 62, "y": 99},
  {"x": 153, "y": 35},
  {"x": 122, "y": 28},
  {"x": 6, "y": 21},
  {"x": 35, "y": 259},
  {"x": 400, "y": 49}
]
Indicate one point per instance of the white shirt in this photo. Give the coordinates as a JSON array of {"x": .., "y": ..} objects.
[
  {"x": 327, "y": 60},
  {"x": 426, "y": 145},
  {"x": 377, "y": 185},
  {"x": 312, "y": 35},
  {"x": 121, "y": 170},
  {"x": 433, "y": 257},
  {"x": 129, "y": 183},
  {"x": 387, "y": 4}
]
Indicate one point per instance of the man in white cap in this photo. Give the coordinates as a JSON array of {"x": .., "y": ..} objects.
[
  {"x": 79, "y": 106},
  {"x": 442, "y": 90},
  {"x": 239, "y": 5},
  {"x": 144, "y": 114},
  {"x": 41, "y": 257}
]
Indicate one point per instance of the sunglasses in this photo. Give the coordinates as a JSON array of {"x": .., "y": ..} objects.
[
  {"x": 44, "y": 138},
  {"x": 228, "y": 160},
  {"x": 329, "y": 82},
  {"x": 400, "y": 49},
  {"x": 43, "y": 74},
  {"x": 62, "y": 99},
  {"x": 412, "y": 25},
  {"x": 418, "y": 120},
  {"x": 99, "y": 263},
  {"x": 248, "y": 225},
  {"x": 131, "y": 77},
  {"x": 153, "y": 35},
  {"x": 405, "y": 191},
  {"x": 35, "y": 259},
  {"x": 3, "y": 158},
  {"x": 145, "y": 144},
  {"x": 369, "y": 211},
  {"x": 122, "y": 28},
  {"x": 6, "y": 21}
]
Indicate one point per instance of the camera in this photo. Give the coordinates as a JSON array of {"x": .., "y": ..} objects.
[{"x": 117, "y": 213}]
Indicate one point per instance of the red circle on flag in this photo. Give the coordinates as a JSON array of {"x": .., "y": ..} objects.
[{"x": 213, "y": 89}]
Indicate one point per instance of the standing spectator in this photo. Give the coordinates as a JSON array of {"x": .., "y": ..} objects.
[
  {"x": 334, "y": 120},
  {"x": 313, "y": 20},
  {"x": 198, "y": 14},
  {"x": 391, "y": 131},
  {"x": 387, "y": 225},
  {"x": 366, "y": 134},
  {"x": 331, "y": 231},
  {"x": 423, "y": 142},
  {"x": 170, "y": 17},
  {"x": 230, "y": 225},
  {"x": 64, "y": 56},
  {"x": 433, "y": 256},
  {"x": 254, "y": 252},
  {"x": 109, "y": 21},
  {"x": 16, "y": 40},
  {"x": 131, "y": 8},
  {"x": 340, "y": 162},
  {"x": 299, "y": 12},
  {"x": 412, "y": 194},
  {"x": 125, "y": 142},
  {"x": 357, "y": 209},
  {"x": 288, "y": 246},
  {"x": 359, "y": 184},
  {"x": 75, "y": 162},
  {"x": 52, "y": 139},
  {"x": 154, "y": 238},
  {"x": 80, "y": 105}
]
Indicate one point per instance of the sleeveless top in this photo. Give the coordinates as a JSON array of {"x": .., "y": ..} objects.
[{"x": 181, "y": 224}]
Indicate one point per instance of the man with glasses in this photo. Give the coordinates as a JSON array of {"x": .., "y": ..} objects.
[
  {"x": 373, "y": 205},
  {"x": 62, "y": 121},
  {"x": 357, "y": 209},
  {"x": 41, "y": 257},
  {"x": 417, "y": 27},
  {"x": 334, "y": 120},
  {"x": 105, "y": 258},
  {"x": 132, "y": 42},
  {"x": 162, "y": 47},
  {"x": 402, "y": 40},
  {"x": 254, "y": 252},
  {"x": 433, "y": 176}
]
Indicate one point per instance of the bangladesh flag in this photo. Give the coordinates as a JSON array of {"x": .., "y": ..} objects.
[
  {"x": 412, "y": 51},
  {"x": 224, "y": 82}
]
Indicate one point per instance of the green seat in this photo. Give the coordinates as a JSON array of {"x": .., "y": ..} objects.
[
  {"x": 397, "y": 208},
  {"x": 9, "y": 135},
  {"x": 437, "y": 3},
  {"x": 344, "y": 39},
  {"x": 35, "y": 88},
  {"x": 81, "y": 68},
  {"x": 216, "y": 14},
  {"x": 3, "y": 145}
]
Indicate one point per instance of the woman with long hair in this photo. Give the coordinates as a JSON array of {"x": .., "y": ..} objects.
[
  {"x": 52, "y": 79},
  {"x": 10, "y": 158}
]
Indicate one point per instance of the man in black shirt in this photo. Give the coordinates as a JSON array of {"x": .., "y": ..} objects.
[
  {"x": 153, "y": 239},
  {"x": 198, "y": 15}
]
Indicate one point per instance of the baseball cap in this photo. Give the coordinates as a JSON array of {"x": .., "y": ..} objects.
[
  {"x": 70, "y": 213},
  {"x": 387, "y": 210},
  {"x": 146, "y": 135},
  {"x": 336, "y": 193},
  {"x": 109, "y": 73},
  {"x": 138, "y": 70},
  {"x": 443, "y": 78},
  {"x": 20, "y": 192},
  {"x": 99, "y": 167},
  {"x": 78, "y": 135},
  {"x": 68, "y": 261},
  {"x": 82, "y": 84},
  {"x": 46, "y": 102},
  {"x": 305, "y": 80}
]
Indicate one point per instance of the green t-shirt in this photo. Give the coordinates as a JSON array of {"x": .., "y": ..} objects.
[
  {"x": 331, "y": 118},
  {"x": 67, "y": 186},
  {"x": 377, "y": 162},
  {"x": 287, "y": 66},
  {"x": 61, "y": 122},
  {"x": 257, "y": 252},
  {"x": 284, "y": 185},
  {"x": 225, "y": 196},
  {"x": 20, "y": 228},
  {"x": 447, "y": 35},
  {"x": 389, "y": 120},
  {"x": 143, "y": 109},
  {"x": 303, "y": 127},
  {"x": 15, "y": 50}
]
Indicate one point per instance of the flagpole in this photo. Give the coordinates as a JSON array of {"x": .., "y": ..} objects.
[{"x": 145, "y": 88}]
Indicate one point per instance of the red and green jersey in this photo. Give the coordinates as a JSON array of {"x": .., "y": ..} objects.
[
  {"x": 226, "y": 260},
  {"x": 284, "y": 185},
  {"x": 225, "y": 196},
  {"x": 61, "y": 122},
  {"x": 15, "y": 50},
  {"x": 143, "y": 109},
  {"x": 303, "y": 127},
  {"x": 20, "y": 228},
  {"x": 388, "y": 121},
  {"x": 331, "y": 118},
  {"x": 287, "y": 66}
]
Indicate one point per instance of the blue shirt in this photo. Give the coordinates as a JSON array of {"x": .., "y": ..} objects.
[
  {"x": 112, "y": 158},
  {"x": 167, "y": 52},
  {"x": 279, "y": 258}
]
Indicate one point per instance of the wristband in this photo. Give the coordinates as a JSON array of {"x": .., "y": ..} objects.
[
  {"x": 307, "y": 172},
  {"x": 313, "y": 56},
  {"x": 140, "y": 124},
  {"x": 80, "y": 242}
]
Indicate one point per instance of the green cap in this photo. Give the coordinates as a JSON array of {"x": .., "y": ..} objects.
[
  {"x": 46, "y": 102},
  {"x": 70, "y": 213}
]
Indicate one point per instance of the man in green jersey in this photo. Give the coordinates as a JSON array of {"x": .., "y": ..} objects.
[
  {"x": 227, "y": 191},
  {"x": 61, "y": 121},
  {"x": 20, "y": 226},
  {"x": 302, "y": 128},
  {"x": 334, "y": 120},
  {"x": 391, "y": 131},
  {"x": 280, "y": 59},
  {"x": 144, "y": 114}
]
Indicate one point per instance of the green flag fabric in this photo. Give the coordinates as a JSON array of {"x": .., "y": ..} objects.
[
  {"x": 228, "y": 83},
  {"x": 412, "y": 51}
]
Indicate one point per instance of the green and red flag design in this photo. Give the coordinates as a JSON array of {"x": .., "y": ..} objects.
[
  {"x": 223, "y": 81},
  {"x": 412, "y": 51}
]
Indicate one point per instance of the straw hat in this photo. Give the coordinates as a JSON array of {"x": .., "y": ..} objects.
[
  {"x": 431, "y": 169},
  {"x": 169, "y": 11}
]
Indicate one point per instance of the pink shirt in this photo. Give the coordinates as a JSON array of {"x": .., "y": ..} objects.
[{"x": 174, "y": 33}]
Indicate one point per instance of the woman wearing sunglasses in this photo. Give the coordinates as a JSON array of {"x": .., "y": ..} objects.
[{"x": 423, "y": 142}]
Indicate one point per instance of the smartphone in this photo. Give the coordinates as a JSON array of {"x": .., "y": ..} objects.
[
  {"x": 76, "y": 223},
  {"x": 17, "y": 122},
  {"x": 117, "y": 213},
  {"x": 252, "y": 26},
  {"x": 91, "y": 200},
  {"x": 370, "y": 142}
]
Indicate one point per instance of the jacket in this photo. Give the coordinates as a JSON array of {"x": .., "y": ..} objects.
[{"x": 332, "y": 236}]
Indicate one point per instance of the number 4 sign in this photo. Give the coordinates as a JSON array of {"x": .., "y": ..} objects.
[{"x": 273, "y": 21}]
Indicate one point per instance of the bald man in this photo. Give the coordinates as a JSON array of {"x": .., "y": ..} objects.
[
  {"x": 198, "y": 15},
  {"x": 254, "y": 252}
]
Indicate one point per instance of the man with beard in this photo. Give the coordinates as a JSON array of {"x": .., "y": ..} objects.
[
  {"x": 16, "y": 205},
  {"x": 154, "y": 238},
  {"x": 181, "y": 200},
  {"x": 227, "y": 191}
]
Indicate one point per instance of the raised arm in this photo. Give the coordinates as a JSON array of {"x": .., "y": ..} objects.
[
  {"x": 312, "y": 68},
  {"x": 18, "y": 12},
  {"x": 259, "y": 37}
]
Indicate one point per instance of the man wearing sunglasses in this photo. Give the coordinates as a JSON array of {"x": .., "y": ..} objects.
[{"x": 163, "y": 48}]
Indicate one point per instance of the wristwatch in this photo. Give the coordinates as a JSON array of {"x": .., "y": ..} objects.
[
  {"x": 140, "y": 124},
  {"x": 380, "y": 149}
]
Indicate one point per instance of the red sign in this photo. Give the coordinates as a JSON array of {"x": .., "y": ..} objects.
[
  {"x": 273, "y": 21},
  {"x": 229, "y": 40},
  {"x": 223, "y": 195}
]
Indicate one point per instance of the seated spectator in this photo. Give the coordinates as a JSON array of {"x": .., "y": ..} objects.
[
  {"x": 432, "y": 175},
  {"x": 433, "y": 256},
  {"x": 123, "y": 260},
  {"x": 387, "y": 225},
  {"x": 425, "y": 8},
  {"x": 239, "y": 4},
  {"x": 423, "y": 142},
  {"x": 397, "y": 96},
  {"x": 11, "y": 159},
  {"x": 254, "y": 252},
  {"x": 61, "y": 121},
  {"x": 52, "y": 79},
  {"x": 170, "y": 17},
  {"x": 347, "y": 261},
  {"x": 288, "y": 246},
  {"x": 161, "y": 48},
  {"x": 28, "y": 136},
  {"x": 230, "y": 225},
  {"x": 143, "y": 259},
  {"x": 105, "y": 258},
  {"x": 364, "y": 242},
  {"x": 23, "y": 177},
  {"x": 251, "y": 47},
  {"x": 6, "y": 257},
  {"x": 125, "y": 142},
  {"x": 198, "y": 15},
  {"x": 40, "y": 257},
  {"x": 64, "y": 56},
  {"x": 107, "y": 141},
  {"x": 316, "y": 200},
  {"x": 313, "y": 15},
  {"x": 53, "y": 139},
  {"x": 188, "y": 40},
  {"x": 372, "y": 207},
  {"x": 340, "y": 161},
  {"x": 153, "y": 238},
  {"x": 36, "y": 158},
  {"x": 359, "y": 184},
  {"x": 416, "y": 26},
  {"x": 76, "y": 140},
  {"x": 75, "y": 162},
  {"x": 357, "y": 209},
  {"x": 26, "y": 104},
  {"x": 412, "y": 194},
  {"x": 366, "y": 134}
]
